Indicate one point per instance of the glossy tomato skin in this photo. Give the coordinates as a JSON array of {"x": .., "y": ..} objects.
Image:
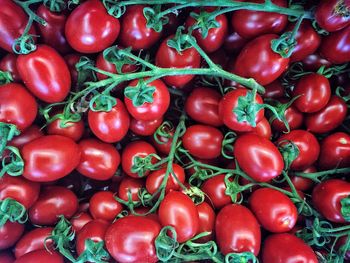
[
  {"x": 10, "y": 233},
  {"x": 8, "y": 63},
  {"x": 79, "y": 220},
  {"x": 41, "y": 256},
  {"x": 301, "y": 183},
  {"x": 315, "y": 61},
  {"x": 132, "y": 185},
  {"x": 258, "y": 61},
  {"x": 263, "y": 129},
  {"x": 275, "y": 211},
  {"x": 287, "y": 248},
  {"x": 49, "y": 158},
  {"x": 28, "y": 135},
  {"x": 203, "y": 141},
  {"x": 258, "y": 157},
  {"x": 206, "y": 221},
  {"x": 72, "y": 60},
  {"x": 145, "y": 128},
  {"x": 294, "y": 118},
  {"x": 214, "y": 188},
  {"x": 18, "y": 106},
  {"x": 45, "y": 74},
  {"x": 137, "y": 230},
  {"x": 53, "y": 202},
  {"x": 326, "y": 198},
  {"x": 202, "y": 105},
  {"x": 308, "y": 146},
  {"x": 274, "y": 90},
  {"x": 104, "y": 206},
  {"x": 110, "y": 126},
  {"x": 329, "y": 18},
  {"x": 237, "y": 230},
  {"x": 90, "y": 29},
  {"x": 329, "y": 118},
  {"x": 179, "y": 211},
  {"x": 99, "y": 160}
]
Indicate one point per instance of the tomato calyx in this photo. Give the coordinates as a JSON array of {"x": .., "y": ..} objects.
[
  {"x": 342, "y": 9},
  {"x": 12, "y": 164},
  {"x": 289, "y": 151},
  {"x": 244, "y": 257},
  {"x": 102, "y": 102},
  {"x": 5, "y": 77},
  {"x": 94, "y": 252},
  {"x": 141, "y": 93},
  {"x": 114, "y": 8},
  {"x": 55, "y": 6},
  {"x": 7, "y": 132},
  {"x": 154, "y": 18},
  {"x": 233, "y": 188},
  {"x": 196, "y": 194},
  {"x": 143, "y": 164},
  {"x": 345, "y": 208},
  {"x": 166, "y": 131},
  {"x": 180, "y": 41},
  {"x": 86, "y": 70},
  {"x": 117, "y": 56},
  {"x": 227, "y": 145},
  {"x": 67, "y": 118},
  {"x": 204, "y": 22},
  {"x": 13, "y": 211}
]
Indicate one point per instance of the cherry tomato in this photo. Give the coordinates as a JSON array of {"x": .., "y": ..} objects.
[
  {"x": 206, "y": 221},
  {"x": 237, "y": 230},
  {"x": 8, "y": 63},
  {"x": 214, "y": 188},
  {"x": 139, "y": 231},
  {"x": 45, "y": 74},
  {"x": 179, "y": 211},
  {"x": 262, "y": 129},
  {"x": 274, "y": 90},
  {"x": 294, "y": 119},
  {"x": 165, "y": 146},
  {"x": 104, "y": 206},
  {"x": 258, "y": 157},
  {"x": 99, "y": 160},
  {"x": 72, "y": 60},
  {"x": 145, "y": 128},
  {"x": 302, "y": 183},
  {"x": 234, "y": 42},
  {"x": 79, "y": 220},
  {"x": 130, "y": 186},
  {"x": 330, "y": 15},
  {"x": 10, "y": 233},
  {"x": 90, "y": 29},
  {"x": 41, "y": 256},
  {"x": 28, "y": 135}
]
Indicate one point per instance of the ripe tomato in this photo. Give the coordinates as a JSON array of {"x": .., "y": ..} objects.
[
  {"x": 28, "y": 135},
  {"x": 99, "y": 160},
  {"x": 326, "y": 198},
  {"x": 41, "y": 256},
  {"x": 79, "y": 220},
  {"x": 53, "y": 202},
  {"x": 258, "y": 61},
  {"x": 330, "y": 15},
  {"x": 308, "y": 146},
  {"x": 179, "y": 211},
  {"x": 202, "y": 105},
  {"x": 49, "y": 158},
  {"x": 45, "y": 74},
  {"x": 301, "y": 183},
  {"x": 104, "y": 206},
  {"x": 10, "y": 233},
  {"x": 130, "y": 186},
  {"x": 168, "y": 57},
  {"x": 234, "y": 42},
  {"x": 18, "y": 106},
  {"x": 314, "y": 61},
  {"x": 231, "y": 222},
  {"x": 258, "y": 157},
  {"x": 287, "y": 248},
  {"x": 206, "y": 221},
  {"x": 274, "y": 210},
  {"x": 139, "y": 231},
  {"x": 145, "y": 128},
  {"x": 110, "y": 126},
  {"x": 262, "y": 129},
  {"x": 165, "y": 146},
  {"x": 72, "y": 60},
  {"x": 8, "y": 63},
  {"x": 203, "y": 141},
  {"x": 90, "y": 29},
  {"x": 274, "y": 90},
  {"x": 214, "y": 189},
  {"x": 294, "y": 118}
]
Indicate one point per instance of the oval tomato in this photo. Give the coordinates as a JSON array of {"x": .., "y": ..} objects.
[
  {"x": 10, "y": 233},
  {"x": 301, "y": 183},
  {"x": 41, "y": 256},
  {"x": 79, "y": 220},
  {"x": 293, "y": 117},
  {"x": 104, "y": 206},
  {"x": 145, "y": 128},
  {"x": 214, "y": 189},
  {"x": 274, "y": 90},
  {"x": 314, "y": 61},
  {"x": 263, "y": 129},
  {"x": 8, "y": 63},
  {"x": 130, "y": 186},
  {"x": 332, "y": 15},
  {"x": 206, "y": 221}
]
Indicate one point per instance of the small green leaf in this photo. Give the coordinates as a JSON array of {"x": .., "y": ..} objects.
[
  {"x": 140, "y": 94},
  {"x": 345, "y": 208}
]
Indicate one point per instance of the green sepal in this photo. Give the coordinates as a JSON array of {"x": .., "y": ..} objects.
[
  {"x": 94, "y": 252},
  {"x": 284, "y": 45},
  {"x": 289, "y": 151},
  {"x": 85, "y": 69},
  {"x": 7, "y": 132},
  {"x": 102, "y": 102},
  {"x": 117, "y": 57},
  {"x": 5, "y": 77},
  {"x": 233, "y": 189},
  {"x": 56, "y": 5},
  {"x": 143, "y": 164},
  {"x": 24, "y": 45},
  {"x": 13, "y": 163},
  {"x": 180, "y": 41},
  {"x": 140, "y": 94},
  {"x": 115, "y": 9},
  {"x": 204, "y": 22},
  {"x": 13, "y": 211},
  {"x": 345, "y": 208},
  {"x": 155, "y": 21},
  {"x": 227, "y": 145},
  {"x": 245, "y": 257},
  {"x": 166, "y": 244}
]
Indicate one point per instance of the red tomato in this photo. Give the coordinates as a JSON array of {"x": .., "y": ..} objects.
[
  {"x": 214, "y": 188},
  {"x": 49, "y": 158},
  {"x": 262, "y": 129},
  {"x": 79, "y": 220},
  {"x": 203, "y": 141},
  {"x": 234, "y": 42},
  {"x": 258, "y": 61},
  {"x": 202, "y": 105},
  {"x": 179, "y": 211},
  {"x": 110, "y": 126},
  {"x": 168, "y": 57},
  {"x": 6, "y": 257},
  {"x": 72, "y": 60},
  {"x": 302, "y": 183},
  {"x": 104, "y": 206},
  {"x": 294, "y": 118},
  {"x": 99, "y": 160},
  {"x": 8, "y": 63},
  {"x": 258, "y": 157},
  {"x": 139, "y": 231},
  {"x": 274, "y": 210},
  {"x": 237, "y": 230},
  {"x": 53, "y": 202},
  {"x": 45, "y": 74},
  {"x": 308, "y": 146},
  {"x": 28, "y": 135},
  {"x": 90, "y": 29},
  {"x": 132, "y": 186},
  {"x": 18, "y": 106},
  {"x": 165, "y": 146},
  {"x": 274, "y": 90},
  {"x": 41, "y": 256},
  {"x": 134, "y": 31},
  {"x": 10, "y": 232},
  {"x": 287, "y": 248},
  {"x": 145, "y": 128},
  {"x": 326, "y": 198},
  {"x": 206, "y": 221},
  {"x": 332, "y": 15},
  {"x": 314, "y": 61}
]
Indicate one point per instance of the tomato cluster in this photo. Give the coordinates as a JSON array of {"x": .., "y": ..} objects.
[{"x": 186, "y": 131}]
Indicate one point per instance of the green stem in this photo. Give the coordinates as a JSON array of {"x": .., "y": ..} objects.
[{"x": 314, "y": 176}]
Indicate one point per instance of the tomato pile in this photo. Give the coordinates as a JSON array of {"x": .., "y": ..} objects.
[{"x": 174, "y": 131}]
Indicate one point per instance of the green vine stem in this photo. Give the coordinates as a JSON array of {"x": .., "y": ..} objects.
[{"x": 323, "y": 174}]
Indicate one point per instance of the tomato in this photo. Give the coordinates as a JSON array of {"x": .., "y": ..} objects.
[
  {"x": 79, "y": 220},
  {"x": 94, "y": 230},
  {"x": 45, "y": 74},
  {"x": 287, "y": 248},
  {"x": 332, "y": 15},
  {"x": 206, "y": 221},
  {"x": 179, "y": 211},
  {"x": 214, "y": 189},
  {"x": 33, "y": 240},
  {"x": 274, "y": 210},
  {"x": 99, "y": 160},
  {"x": 145, "y": 128},
  {"x": 49, "y": 158},
  {"x": 110, "y": 126},
  {"x": 314, "y": 61},
  {"x": 10, "y": 232},
  {"x": 237, "y": 230},
  {"x": 19, "y": 189},
  {"x": 294, "y": 119},
  {"x": 258, "y": 157},
  {"x": 8, "y": 63},
  {"x": 6, "y": 257},
  {"x": 165, "y": 146},
  {"x": 308, "y": 146},
  {"x": 28, "y": 135},
  {"x": 203, "y": 141},
  {"x": 134, "y": 31},
  {"x": 329, "y": 118},
  {"x": 41, "y": 256},
  {"x": 90, "y": 29},
  {"x": 314, "y": 91},
  {"x": 53, "y": 202},
  {"x": 104, "y": 206},
  {"x": 139, "y": 231},
  {"x": 18, "y": 106},
  {"x": 202, "y": 105},
  {"x": 168, "y": 57},
  {"x": 262, "y": 129},
  {"x": 257, "y": 60},
  {"x": 274, "y": 90},
  {"x": 133, "y": 150},
  {"x": 326, "y": 198},
  {"x": 150, "y": 110},
  {"x": 155, "y": 179},
  {"x": 335, "y": 151},
  {"x": 52, "y": 33},
  {"x": 132, "y": 186},
  {"x": 72, "y": 60},
  {"x": 302, "y": 183},
  {"x": 335, "y": 46}
]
